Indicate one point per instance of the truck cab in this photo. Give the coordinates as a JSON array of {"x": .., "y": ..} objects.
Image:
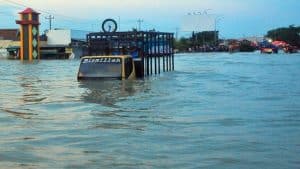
[{"x": 100, "y": 67}]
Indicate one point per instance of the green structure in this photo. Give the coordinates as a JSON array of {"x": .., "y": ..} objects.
[{"x": 29, "y": 35}]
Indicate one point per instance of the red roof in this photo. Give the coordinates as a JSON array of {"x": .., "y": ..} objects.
[{"x": 28, "y": 11}]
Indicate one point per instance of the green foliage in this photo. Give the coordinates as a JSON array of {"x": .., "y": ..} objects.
[
  {"x": 183, "y": 44},
  {"x": 290, "y": 35},
  {"x": 197, "y": 39}
]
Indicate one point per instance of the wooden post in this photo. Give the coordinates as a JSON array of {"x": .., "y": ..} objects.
[{"x": 158, "y": 52}]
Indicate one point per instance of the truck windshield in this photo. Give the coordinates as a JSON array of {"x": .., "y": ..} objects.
[{"x": 101, "y": 67}]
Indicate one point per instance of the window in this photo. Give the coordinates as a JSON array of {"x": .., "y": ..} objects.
[{"x": 101, "y": 67}]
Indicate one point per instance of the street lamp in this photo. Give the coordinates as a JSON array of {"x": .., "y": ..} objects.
[{"x": 217, "y": 19}]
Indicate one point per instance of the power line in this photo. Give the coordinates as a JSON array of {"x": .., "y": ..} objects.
[
  {"x": 16, "y": 4},
  {"x": 21, "y": 5}
]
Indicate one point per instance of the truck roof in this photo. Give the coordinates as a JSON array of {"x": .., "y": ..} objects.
[{"x": 108, "y": 56}]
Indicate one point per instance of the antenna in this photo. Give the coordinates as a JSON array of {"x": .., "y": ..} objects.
[{"x": 50, "y": 18}]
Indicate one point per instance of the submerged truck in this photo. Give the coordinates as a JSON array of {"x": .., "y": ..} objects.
[
  {"x": 114, "y": 67},
  {"x": 123, "y": 55}
]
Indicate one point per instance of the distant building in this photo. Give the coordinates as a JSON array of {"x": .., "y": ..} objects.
[
  {"x": 54, "y": 44},
  {"x": 9, "y": 34},
  {"x": 253, "y": 39},
  {"x": 9, "y": 42}
]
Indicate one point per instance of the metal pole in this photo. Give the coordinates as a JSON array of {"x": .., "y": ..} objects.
[
  {"x": 155, "y": 53},
  {"x": 164, "y": 51},
  {"x": 140, "y": 23},
  {"x": 119, "y": 19},
  {"x": 172, "y": 52}
]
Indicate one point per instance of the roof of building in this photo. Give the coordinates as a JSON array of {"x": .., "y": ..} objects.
[
  {"x": 28, "y": 11},
  {"x": 9, "y": 34}
]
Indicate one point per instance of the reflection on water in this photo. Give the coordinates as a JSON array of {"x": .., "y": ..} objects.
[
  {"x": 214, "y": 111},
  {"x": 108, "y": 92},
  {"x": 31, "y": 89}
]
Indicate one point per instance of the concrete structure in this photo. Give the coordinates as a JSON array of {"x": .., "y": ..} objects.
[
  {"x": 29, "y": 34},
  {"x": 56, "y": 43}
]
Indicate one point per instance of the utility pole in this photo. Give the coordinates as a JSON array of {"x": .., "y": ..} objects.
[
  {"x": 215, "y": 32},
  {"x": 50, "y": 18},
  {"x": 119, "y": 20},
  {"x": 176, "y": 35},
  {"x": 140, "y": 23}
]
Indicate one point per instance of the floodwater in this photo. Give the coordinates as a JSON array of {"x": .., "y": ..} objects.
[{"x": 214, "y": 111}]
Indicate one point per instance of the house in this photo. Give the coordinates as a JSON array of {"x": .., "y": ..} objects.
[
  {"x": 9, "y": 34},
  {"x": 9, "y": 39}
]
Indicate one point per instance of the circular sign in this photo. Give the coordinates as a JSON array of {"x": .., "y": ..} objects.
[{"x": 109, "y": 25}]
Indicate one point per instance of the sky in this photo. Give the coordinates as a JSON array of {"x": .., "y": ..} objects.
[{"x": 236, "y": 18}]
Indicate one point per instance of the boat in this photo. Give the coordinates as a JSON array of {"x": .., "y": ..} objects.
[
  {"x": 267, "y": 47},
  {"x": 268, "y": 50},
  {"x": 290, "y": 49}
]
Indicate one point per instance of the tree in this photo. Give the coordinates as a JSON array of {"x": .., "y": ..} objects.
[
  {"x": 289, "y": 34},
  {"x": 208, "y": 38},
  {"x": 183, "y": 44}
]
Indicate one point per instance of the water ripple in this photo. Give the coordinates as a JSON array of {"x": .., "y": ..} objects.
[{"x": 214, "y": 111}]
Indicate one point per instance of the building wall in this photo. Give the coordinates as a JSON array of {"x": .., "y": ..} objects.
[{"x": 59, "y": 37}]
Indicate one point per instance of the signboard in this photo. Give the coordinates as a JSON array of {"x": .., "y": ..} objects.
[
  {"x": 102, "y": 60},
  {"x": 198, "y": 23},
  {"x": 58, "y": 37}
]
